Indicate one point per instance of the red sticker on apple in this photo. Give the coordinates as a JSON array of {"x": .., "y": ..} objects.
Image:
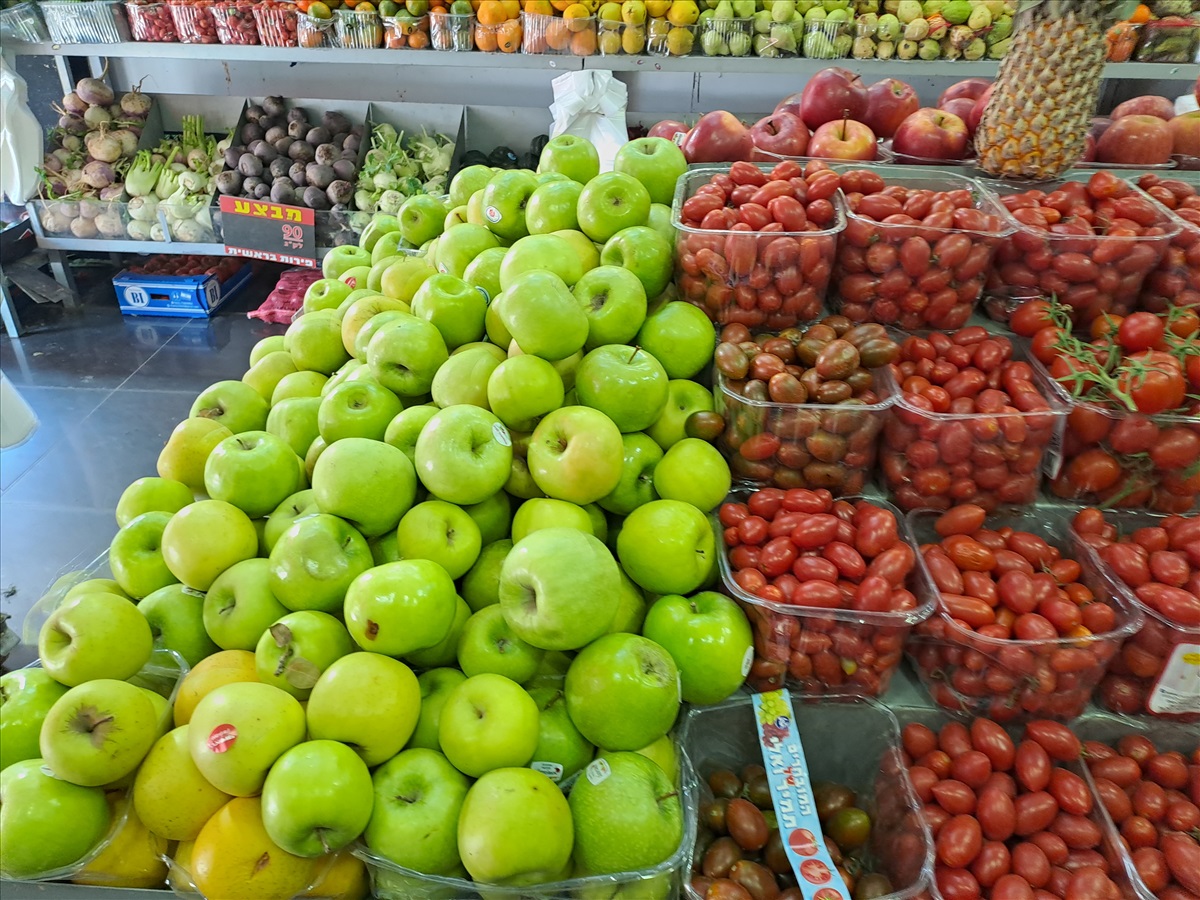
[
  {"x": 814, "y": 871},
  {"x": 222, "y": 738},
  {"x": 803, "y": 842}
]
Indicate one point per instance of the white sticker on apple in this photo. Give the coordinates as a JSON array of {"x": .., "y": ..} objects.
[
  {"x": 552, "y": 770},
  {"x": 492, "y": 214},
  {"x": 598, "y": 771},
  {"x": 500, "y": 433},
  {"x": 747, "y": 661},
  {"x": 192, "y": 592},
  {"x": 442, "y": 268}
]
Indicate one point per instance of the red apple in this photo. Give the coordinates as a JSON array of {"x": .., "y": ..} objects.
[
  {"x": 931, "y": 134},
  {"x": 1148, "y": 105},
  {"x": 1143, "y": 140},
  {"x": 961, "y": 107},
  {"x": 1185, "y": 133},
  {"x": 971, "y": 88},
  {"x": 717, "y": 136},
  {"x": 1100, "y": 124},
  {"x": 1196, "y": 90},
  {"x": 833, "y": 93},
  {"x": 843, "y": 139},
  {"x": 668, "y": 128},
  {"x": 1089, "y": 149},
  {"x": 790, "y": 103},
  {"x": 889, "y": 102},
  {"x": 976, "y": 115},
  {"x": 781, "y": 133}
]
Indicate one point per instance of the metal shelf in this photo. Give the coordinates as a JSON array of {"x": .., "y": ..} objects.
[{"x": 78, "y": 245}]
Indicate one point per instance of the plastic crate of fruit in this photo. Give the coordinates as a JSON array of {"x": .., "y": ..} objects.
[
  {"x": 194, "y": 23},
  {"x": 151, "y": 21},
  {"x": 98, "y": 22},
  {"x": 355, "y": 29},
  {"x": 406, "y": 32},
  {"x": 277, "y": 23},
  {"x": 451, "y": 31}
]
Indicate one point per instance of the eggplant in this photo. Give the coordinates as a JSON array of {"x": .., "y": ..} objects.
[
  {"x": 302, "y": 152},
  {"x": 315, "y": 198},
  {"x": 327, "y": 154},
  {"x": 273, "y": 106},
  {"x": 319, "y": 175},
  {"x": 250, "y": 165}
]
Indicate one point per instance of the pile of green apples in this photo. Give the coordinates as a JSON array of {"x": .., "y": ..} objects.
[{"x": 441, "y": 565}]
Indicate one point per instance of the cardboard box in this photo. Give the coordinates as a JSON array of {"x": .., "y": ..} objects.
[{"x": 181, "y": 296}]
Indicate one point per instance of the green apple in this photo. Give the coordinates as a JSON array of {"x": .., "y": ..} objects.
[
  {"x": 463, "y": 378},
  {"x": 623, "y": 691},
  {"x": 552, "y": 672},
  {"x": 489, "y": 722},
  {"x": 667, "y": 547},
  {"x": 631, "y": 608},
  {"x": 680, "y": 336},
  {"x": 404, "y": 355},
  {"x": 645, "y": 253},
  {"x": 46, "y": 824},
  {"x": 504, "y": 199},
  {"x": 599, "y": 521},
  {"x": 265, "y": 374},
  {"x": 399, "y": 607},
  {"x": 234, "y": 404},
  {"x": 572, "y": 156},
  {"x": 460, "y": 245},
  {"x": 436, "y": 686},
  {"x": 342, "y": 375},
  {"x": 359, "y": 409},
  {"x": 515, "y": 829},
  {"x": 379, "y": 227},
  {"x": 488, "y": 644},
  {"x": 562, "y": 750},
  {"x": 683, "y": 398},
  {"x": 363, "y": 339},
  {"x": 26, "y": 696},
  {"x": 627, "y": 813},
  {"x": 327, "y": 293},
  {"x": 468, "y": 181},
  {"x": 403, "y": 278},
  {"x": 522, "y": 389},
  {"x": 135, "y": 555},
  {"x": 559, "y": 588},
  {"x": 656, "y": 162},
  {"x": 695, "y": 472},
  {"x": 254, "y": 470},
  {"x": 552, "y": 207},
  {"x": 493, "y": 323},
  {"x": 611, "y": 202},
  {"x": 661, "y": 220},
  {"x": 87, "y": 586},
  {"x": 238, "y": 730},
  {"x": 384, "y": 548},
  {"x": 315, "y": 342},
  {"x": 542, "y": 512},
  {"x": 295, "y": 650},
  {"x": 500, "y": 354},
  {"x": 368, "y": 483},
  {"x": 454, "y": 307},
  {"x": 520, "y": 482},
  {"x": 152, "y": 495},
  {"x": 540, "y": 252},
  {"x": 414, "y": 819},
  {"x": 317, "y": 798},
  {"x": 367, "y": 701},
  {"x": 403, "y": 431},
  {"x": 576, "y": 454},
  {"x": 94, "y": 636},
  {"x": 543, "y": 316},
  {"x": 614, "y": 301},
  {"x": 636, "y": 486},
  {"x": 315, "y": 560},
  {"x": 481, "y": 585},
  {"x": 483, "y": 272},
  {"x": 442, "y": 533},
  {"x": 294, "y": 421},
  {"x": 493, "y": 516},
  {"x": 421, "y": 218},
  {"x": 356, "y": 316},
  {"x": 463, "y": 454},
  {"x": 176, "y": 618},
  {"x": 585, "y": 248},
  {"x": 301, "y": 503},
  {"x": 445, "y": 652},
  {"x": 170, "y": 796},
  {"x": 98, "y": 732},
  {"x": 266, "y": 345},
  {"x": 340, "y": 260},
  {"x": 187, "y": 449},
  {"x": 358, "y": 277},
  {"x": 710, "y": 640},
  {"x": 625, "y": 383},
  {"x": 663, "y": 754},
  {"x": 239, "y": 606},
  {"x": 315, "y": 449}
]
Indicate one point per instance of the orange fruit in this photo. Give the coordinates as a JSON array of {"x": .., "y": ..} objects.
[
  {"x": 418, "y": 40},
  {"x": 557, "y": 35},
  {"x": 508, "y": 36},
  {"x": 320, "y": 10},
  {"x": 583, "y": 43},
  {"x": 490, "y": 12},
  {"x": 573, "y": 14},
  {"x": 485, "y": 38},
  {"x": 560, "y": 5},
  {"x": 539, "y": 7},
  {"x": 512, "y": 8},
  {"x": 1141, "y": 14}
]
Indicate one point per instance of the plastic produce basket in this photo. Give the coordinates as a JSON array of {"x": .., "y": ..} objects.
[
  {"x": 818, "y": 652},
  {"x": 452, "y": 32},
  {"x": 393, "y": 882},
  {"x": 800, "y": 274},
  {"x": 947, "y": 268},
  {"x": 23, "y": 23},
  {"x": 406, "y": 32},
  {"x": 775, "y": 40},
  {"x": 827, "y": 40},
  {"x": 98, "y": 22},
  {"x": 355, "y": 30},
  {"x": 235, "y": 23},
  {"x": 503, "y": 37},
  {"x": 276, "y": 25},
  {"x": 1176, "y": 280},
  {"x": 194, "y": 22},
  {"x": 856, "y": 744},
  {"x": 665, "y": 39},
  {"x": 312, "y": 33},
  {"x": 151, "y": 22},
  {"x": 844, "y": 437},
  {"x": 727, "y": 37},
  {"x": 619, "y": 38},
  {"x": 1010, "y": 679}
]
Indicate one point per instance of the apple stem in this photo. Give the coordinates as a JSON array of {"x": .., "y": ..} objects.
[
  {"x": 845, "y": 121},
  {"x": 667, "y": 796},
  {"x": 634, "y": 353}
]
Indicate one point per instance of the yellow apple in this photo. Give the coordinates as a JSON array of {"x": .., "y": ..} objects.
[
  {"x": 170, "y": 795},
  {"x": 132, "y": 859},
  {"x": 187, "y": 450},
  {"x": 210, "y": 673}
]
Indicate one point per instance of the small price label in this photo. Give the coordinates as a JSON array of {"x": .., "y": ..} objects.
[
  {"x": 222, "y": 738},
  {"x": 269, "y": 231}
]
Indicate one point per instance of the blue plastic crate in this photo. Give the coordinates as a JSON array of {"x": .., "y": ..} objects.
[{"x": 182, "y": 296}]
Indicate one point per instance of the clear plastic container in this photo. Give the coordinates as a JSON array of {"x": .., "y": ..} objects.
[
  {"x": 23, "y": 23},
  {"x": 935, "y": 294},
  {"x": 276, "y": 24},
  {"x": 151, "y": 22},
  {"x": 812, "y": 445},
  {"x": 819, "y": 652},
  {"x": 1122, "y": 40},
  {"x": 665, "y": 39},
  {"x": 1176, "y": 280},
  {"x": 452, "y": 32},
  {"x": 619, "y": 38},
  {"x": 827, "y": 40},
  {"x": 857, "y": 744},
  {"x": 1000, "y": 303},
  {"x": 406, "y": 32},
  {"x": 355, "y": 30},
  {"x": 1169, "y": 40},
  {"x": 883, "y": 156},
  {"x": 798, "y": 269},
  {"x": 1092, "y": 274},
  {"x": 313, "y": 33},
  {"x": 727, "y": 37},
  {"x": 1158, "y": 645},
  {"x": 542, "y": 34},
  {"x": 98, "y": 22},
  {"x": 194, "y": 22},
  {"x": 1009, "y": 679},
  {"x": 775, "y": 40},
  {"x": 907, "y": 159},
  {"x": 390, "y": 881},
  {"x": 503, "y": 37},
  {"x": 235, "y": 23}
]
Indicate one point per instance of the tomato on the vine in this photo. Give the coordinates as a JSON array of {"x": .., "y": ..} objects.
[
  {"x": 1139, "y": 331},
  {"x": 1153, "y": 380}
]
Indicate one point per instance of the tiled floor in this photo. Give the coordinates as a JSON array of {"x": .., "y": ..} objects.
[{"x": 107, "y": 390}]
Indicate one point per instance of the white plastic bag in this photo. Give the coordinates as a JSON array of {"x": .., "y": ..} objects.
[
  {"x": 591, "y": 104},
  {"x": 20, "y": 139}
]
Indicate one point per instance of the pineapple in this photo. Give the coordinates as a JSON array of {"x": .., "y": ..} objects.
[{"x": 1037, "y": 120}]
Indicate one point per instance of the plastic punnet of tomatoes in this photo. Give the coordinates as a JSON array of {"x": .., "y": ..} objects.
[
  {"x": 276, "y": 23},
  {"x": 755, "y": 244},
  {"x": 825, "y": 584},
  {"x": 804, "y": 408},
  {"x": 1010, "y": 811},
  {"x": 194, "y": 22},
  {"x": 854, "y": 761},
  {"x": 1090, "y": 244},
  {"x": 972, "y": 423},
  {"x": 1176, "y": 281},
  {"x": 235, "y": 23},
  {"x": 1146, "y": 777},
  {"x": 917, "y": 248},
  {"x": 1026, "y": 624},
  {"x": 149, "y": 21},
  {"x": 1155, "y": 560}
]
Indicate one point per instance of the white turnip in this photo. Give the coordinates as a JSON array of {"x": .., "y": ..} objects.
[
  {"x": 94, "y": 92},
  {"x": 109, "y": 224},
  {"x": 96, "y": 116},
  {"x": 135, "y": 103},
  {"x": 97, "y": 175},
  {"x": 74, "y": 104},
  {"x": 128, "y": 140},
  {"x": 84, "y": 229},
  {"x": 103, "y": 146},
  {"x": 138, "y": 230}
]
